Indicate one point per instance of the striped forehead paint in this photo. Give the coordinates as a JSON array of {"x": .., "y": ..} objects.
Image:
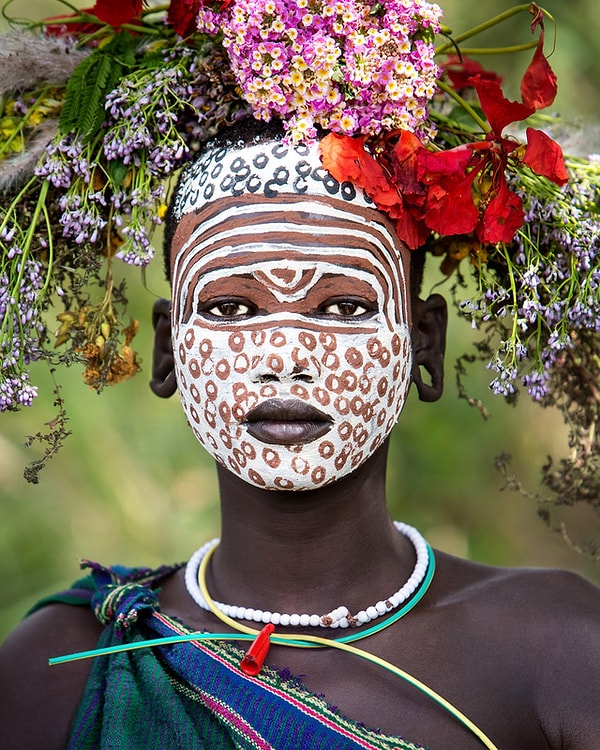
[
  {"x": 321, "y": 229},
  {"x": 267, "y": 223}
]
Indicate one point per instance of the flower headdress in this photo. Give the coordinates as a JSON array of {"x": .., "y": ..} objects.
[{"x": 102, "y": 107}]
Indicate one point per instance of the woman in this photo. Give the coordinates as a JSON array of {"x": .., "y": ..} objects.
[{"x": 293, "y": 334}]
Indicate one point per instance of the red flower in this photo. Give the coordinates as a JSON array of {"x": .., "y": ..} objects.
[
  {"x": 118, "y": 12},
  {"x": 463, "y": 190},
  {"x": 490, "y": 208},
  {"x": 346, "y": 159},
  {"x": 182, "y": 16}
]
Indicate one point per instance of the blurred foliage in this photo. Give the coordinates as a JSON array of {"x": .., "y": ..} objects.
[{"x": 132, "y": 485}]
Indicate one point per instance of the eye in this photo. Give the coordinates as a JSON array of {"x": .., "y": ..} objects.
[
  {"x": 346, "y": 308},
  {"x": 227, "y": 308}
]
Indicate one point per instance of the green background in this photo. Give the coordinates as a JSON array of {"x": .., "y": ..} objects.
[{"x": 131, "y": 484}]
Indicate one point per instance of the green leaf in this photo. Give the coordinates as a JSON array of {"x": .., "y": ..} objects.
[
  {"x": 93, "y": 79},
  {"x": 117, "y": 171}
]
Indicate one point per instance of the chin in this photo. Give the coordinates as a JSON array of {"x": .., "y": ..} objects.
[{"x": 297, "y": 476}]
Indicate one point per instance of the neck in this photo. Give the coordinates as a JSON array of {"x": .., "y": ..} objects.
[{"x": 306, "y": 550}]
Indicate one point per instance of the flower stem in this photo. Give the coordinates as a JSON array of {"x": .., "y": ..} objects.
[
  {"x": 465, "y": 105},
  {"x": 498, "y": 50},
  {"x": 500, "y": 18}
]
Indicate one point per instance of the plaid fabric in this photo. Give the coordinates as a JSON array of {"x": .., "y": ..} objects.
[{"x": 193, "y": 694}]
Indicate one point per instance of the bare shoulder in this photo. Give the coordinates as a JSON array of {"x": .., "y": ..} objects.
[
  {"x": 545, "y": 624},
  {"x": 38, "y": 702},
  {"x": 563, "y": 625},
  {"x": 528, "y": 589}
]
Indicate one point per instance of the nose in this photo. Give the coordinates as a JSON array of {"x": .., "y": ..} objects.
[{"x": 285, "y": 363}]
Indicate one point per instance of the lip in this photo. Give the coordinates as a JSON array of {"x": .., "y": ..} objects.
[{"x": 286, "y": 422}]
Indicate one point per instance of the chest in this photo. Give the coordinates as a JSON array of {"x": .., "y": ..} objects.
[
  {"x": 462, "y": 652},
  {"x": 464, "y": 666},
  {"x": 486, "y": 693}
]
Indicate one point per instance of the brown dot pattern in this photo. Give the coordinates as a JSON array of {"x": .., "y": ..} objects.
[{"x": 359, "y": 380}]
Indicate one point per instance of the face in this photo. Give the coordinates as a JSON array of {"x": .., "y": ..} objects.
[{"x": 291, "y": 336}]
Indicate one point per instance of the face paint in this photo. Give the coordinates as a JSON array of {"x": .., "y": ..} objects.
[{"x": 291, "y": 335}]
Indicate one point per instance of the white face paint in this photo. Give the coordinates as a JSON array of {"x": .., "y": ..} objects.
[{"x": 291, "y": 335}]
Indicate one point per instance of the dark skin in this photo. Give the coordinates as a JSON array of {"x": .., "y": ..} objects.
[{"x": 518, "y": 651}]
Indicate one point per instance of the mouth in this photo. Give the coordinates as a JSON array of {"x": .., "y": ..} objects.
[{"x": 286, "y": 422}]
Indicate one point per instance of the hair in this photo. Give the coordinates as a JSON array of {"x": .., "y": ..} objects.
[{"x": 244, "y": 132}]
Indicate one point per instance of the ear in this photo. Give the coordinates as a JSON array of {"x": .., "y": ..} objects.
[
  {"x": 163, "y": 381},
  {"x": 429, "y": 343}
]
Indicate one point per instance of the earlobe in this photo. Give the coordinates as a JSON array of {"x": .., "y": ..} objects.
[
  {"x": 429, "y": 344},
  {"x": 163, "y": 382}
]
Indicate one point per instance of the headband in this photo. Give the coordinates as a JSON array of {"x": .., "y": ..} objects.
[{"x": 266, "y": 169}]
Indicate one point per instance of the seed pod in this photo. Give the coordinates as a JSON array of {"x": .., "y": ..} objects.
[
  {"x": 66, "y": 317},
  {"x": 61, "y": 338}
]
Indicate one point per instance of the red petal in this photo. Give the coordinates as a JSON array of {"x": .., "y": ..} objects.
[
  {"x": 183, "y": 15},
  {"x": 538, "y": 87},
  {"x": 450, "y": 208},
  {"x": 503, "y": 216},
  {"x": 64, "y": 29},
  {"x": 345, "y": 158},
  {"x": 545, "y": 157},
  {"x": 118, "y": 12},
  {"x": 404, "y": 166},
  {"x": 452, "y": 162},
  {"x": 499, "y": 110},
  {"x": 461, "y": 70},
  {"x": 412, "y": 231}
]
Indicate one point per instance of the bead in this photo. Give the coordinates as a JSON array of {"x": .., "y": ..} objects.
[{"x": 338, "y": 617}]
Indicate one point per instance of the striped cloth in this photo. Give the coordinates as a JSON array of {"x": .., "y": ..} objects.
[{"x": 190, "y": 695}]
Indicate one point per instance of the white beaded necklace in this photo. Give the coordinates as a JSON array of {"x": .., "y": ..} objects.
[{"x": 338, "y": 617}]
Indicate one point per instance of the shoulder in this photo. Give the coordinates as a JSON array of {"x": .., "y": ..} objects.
[
  {"x": 38, "y": 702},
  {"x": 544, "y": 626},
  {"x": 540, "y": 600},
  {"x": 563, "y": 633},
  {"x": 526, "y": 588}
]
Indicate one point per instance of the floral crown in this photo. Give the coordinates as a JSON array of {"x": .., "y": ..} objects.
[{"x": 101, "y": 108}]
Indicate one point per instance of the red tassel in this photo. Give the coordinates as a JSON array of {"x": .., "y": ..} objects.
[{"x": 257, "y": 653}]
